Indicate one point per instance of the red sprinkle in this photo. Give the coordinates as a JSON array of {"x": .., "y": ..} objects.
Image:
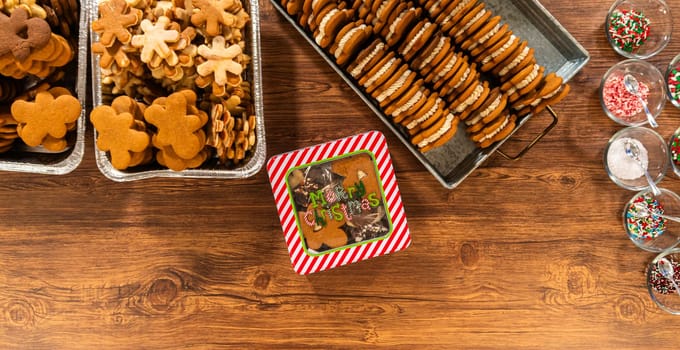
[{"x": 619, "y": 101}]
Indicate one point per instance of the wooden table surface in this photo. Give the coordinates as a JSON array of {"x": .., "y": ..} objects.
[{"x": 524, "y": 254}]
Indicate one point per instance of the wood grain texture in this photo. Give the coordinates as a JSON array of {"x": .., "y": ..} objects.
[{"x": 528, "y": 254}]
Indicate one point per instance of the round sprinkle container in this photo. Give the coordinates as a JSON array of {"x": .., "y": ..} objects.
[
  {"x": 624, "y": 107},
  {"x": 674, "y": 150},
  {"x": 673, "y": 81},
  {"x": 623, "y": 104},
  {"x": 628, "y": 29},
  {"x": 626, "y": 172},
  {"x": 638, "y": 28},
  {"x": 661, "y": 289},
  {"x": 660, "y": 283},
  {"x": 643, "y": 223}
]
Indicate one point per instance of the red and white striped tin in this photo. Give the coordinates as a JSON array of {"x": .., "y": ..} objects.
[{"x": 290, "y": 175}]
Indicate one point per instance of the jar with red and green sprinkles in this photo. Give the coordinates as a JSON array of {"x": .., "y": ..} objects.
[
  {"x": 639, "y": 28},
  {"x": 673, "y": 81},
  {"x": 674, "y": 151}
]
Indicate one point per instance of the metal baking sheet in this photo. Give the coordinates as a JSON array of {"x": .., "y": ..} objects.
[
  {"x": 210, "y": 169},
  {"x": 22, "y": 158},
  {"x": 555, "y": 49}
]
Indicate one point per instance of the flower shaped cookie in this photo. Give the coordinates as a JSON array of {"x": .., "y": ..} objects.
[
  {"x": 155, "y": 40},
  {"x": 222, "y": 61}
]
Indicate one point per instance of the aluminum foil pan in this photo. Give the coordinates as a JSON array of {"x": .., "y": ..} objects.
[
  {"x": 211, "y": 168},
  {"x": 38, "y": 160}
]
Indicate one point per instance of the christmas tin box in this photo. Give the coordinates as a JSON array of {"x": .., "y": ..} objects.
[{"x": 338, "y": 202}]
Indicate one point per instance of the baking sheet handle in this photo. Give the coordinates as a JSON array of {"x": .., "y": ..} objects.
[{"x": 535, "y": 140}]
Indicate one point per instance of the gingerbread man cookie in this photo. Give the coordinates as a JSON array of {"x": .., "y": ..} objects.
[
  {"x": 213, "y": 14},
  {"x": 176, "y": 127},
  {"x": 332, "y": 234},
  {"x": 20, "y": 34},
  {"x": 46, "y": 116},
  {"x": 117, "y": 134},
  {"x": 115, "y": 17}
]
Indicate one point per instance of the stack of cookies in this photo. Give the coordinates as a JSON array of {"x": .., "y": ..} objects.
[
  {"x": 184, "y": 63},
  {"x": 432, "y": 64},
  {"x": 37, "y": 43}
]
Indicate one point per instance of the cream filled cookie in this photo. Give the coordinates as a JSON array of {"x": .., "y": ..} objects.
[
  {"x": 330, "y": 24},
  {"x": 367, "y": 59},
  {"x": 437, "y": 134},
  {"x": 496, "y": 131},
  {"x": 409, "y": 103},
  {"x": 470, "y": 99},
  {"x": 549, "y": 86},
  {"x": 502, "y": 33},
  {"x": 554, "y": 98},
  {"x": 395, "y": 86},
  {"x": 382, "y": 71},
  {"x": 494, "y": 104},
  {"x": 483, "y": 33},
  {"x": 520, "y": 58},
  {"x": 453, "y": 13},
  {"x": 470, "y": 23},
  {"x": 438, "y": 48},
  {"x": 441, "y": 74},
  {"x": 435, "y": 7},
  {"x": 400, "y": 23},
  {"x": 381, "y": 12},
  {"x": 417, "y": 38},
  {"x": 428, "y": 114},
  {"x": 497, "y": 53},
  {"x": 524, "y": 82},
  {"x": 349, "y": 40},
  {"x": 317, "y": 10}
]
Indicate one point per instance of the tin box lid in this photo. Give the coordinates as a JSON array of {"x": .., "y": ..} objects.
[{"x": 338, "y": 202}]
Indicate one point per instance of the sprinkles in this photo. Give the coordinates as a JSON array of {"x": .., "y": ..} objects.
[
  {"x": 675, "y": 150},
  {"x": 645, "y": 227},
  {"x": 619, "y": 101},
  {"x": 628, "y": 29},
  {"x": 660, "y": 283},
  {"x": 673, "y": 81}
]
